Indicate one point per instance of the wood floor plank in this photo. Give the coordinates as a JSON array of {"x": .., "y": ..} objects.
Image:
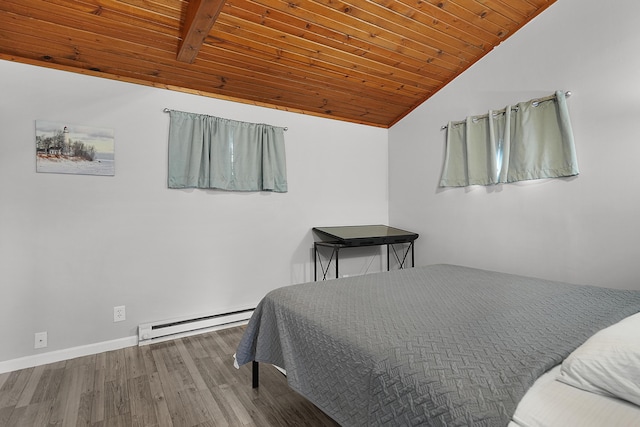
[
  {"x": 49, "y": 385},
  {"x": 80, "y": 361},
  {"x": 155, "y": 387},
  {"x": 217, "y": 405},
  {"x": 115, "y": 366},
  {"x": 222, "y": 363},
  {"x": 74, "y": 391},
  {"x": 223, "y": 346},
  {"x": 116, "y": 399},
  {"x": 61, "y": 397},
  {"x": 169, "y": 385},
  {"x": 5, "y": 415},
  {"x": 3, "y": 378},
  {"x": 215, "y": 410},
  {"x": 190, "y": 366},
  {"x": 36, "y": 414},
  {"x": 174, "y": 374},
  {"x": 187, "y": 408},
  {"x": 142, "y": 405},
  {"x": 21, "y": 416},
  {"x": 31, "y": 387},
  {"x": 86, "y": 382},
  {"x": 84, "y": 409},
  {"x": 239, "y": 412},
  {"x": 195, "y": 347},
  {"x": 13, "y": 387},
  {"x": 123, "y": 420},
  {"x": 134, "y": 362},
  {"x": 188, "y": 382},
  {"x": 99, "y": 379},
  {"x": 160, "y": 402},
  {"x": 147, "y": 358}
]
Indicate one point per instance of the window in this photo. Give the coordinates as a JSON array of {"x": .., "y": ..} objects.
[
  {"x": 531, "y": 140},
  {"x": 211, "y": 152}
]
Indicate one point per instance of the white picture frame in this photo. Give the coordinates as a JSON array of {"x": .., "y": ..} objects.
[{"x": 74, "y": 149}]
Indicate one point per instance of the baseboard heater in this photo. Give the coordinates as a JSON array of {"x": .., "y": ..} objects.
[{"x": 149, "y": 333}]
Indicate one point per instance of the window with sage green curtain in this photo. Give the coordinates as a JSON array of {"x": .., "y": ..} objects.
[
  {"x": 211, "y": 152},
  {"x": 531, "y": 140}
]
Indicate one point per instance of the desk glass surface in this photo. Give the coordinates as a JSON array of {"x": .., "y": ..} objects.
[{"x": 372, "y": 234}]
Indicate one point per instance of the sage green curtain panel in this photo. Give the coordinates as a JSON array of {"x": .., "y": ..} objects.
[
  {"x": 531, "y": 140},
  {"x": 212, "y": 152}
]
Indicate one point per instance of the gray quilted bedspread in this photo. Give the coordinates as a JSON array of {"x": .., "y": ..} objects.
[{"x": 437, "y": 346}]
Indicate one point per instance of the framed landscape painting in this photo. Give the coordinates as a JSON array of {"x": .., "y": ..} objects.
[{"x": 74, "y": 149}]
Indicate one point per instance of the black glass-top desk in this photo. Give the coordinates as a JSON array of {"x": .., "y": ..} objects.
[{"x": 337, "y": 238}]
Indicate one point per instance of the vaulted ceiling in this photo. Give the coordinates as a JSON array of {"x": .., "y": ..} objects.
[{"x": 362, "y": 61}]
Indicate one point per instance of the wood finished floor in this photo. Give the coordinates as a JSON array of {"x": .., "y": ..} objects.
[{"x": 181, "y": 383}]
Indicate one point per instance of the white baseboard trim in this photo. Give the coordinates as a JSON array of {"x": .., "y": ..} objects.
[{"x": 66, "y": 354}]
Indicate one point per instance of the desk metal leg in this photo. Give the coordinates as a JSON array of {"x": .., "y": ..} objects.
[
  {"x": 402, "y": 263},
  {"x": 413, "y": 261},
  {"x": 317, "y": 258},
  {"x": 402, "y": 258},
  {"x": 388, "y": 265}
]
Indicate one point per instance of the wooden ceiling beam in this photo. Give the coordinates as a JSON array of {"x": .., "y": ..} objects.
[{"x": 201, "y": 15}]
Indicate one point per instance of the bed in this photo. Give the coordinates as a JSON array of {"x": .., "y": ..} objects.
[{"x": 442, "y": 345}]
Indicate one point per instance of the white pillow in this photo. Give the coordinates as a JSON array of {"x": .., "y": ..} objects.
[{"x": 608, "y": 363}]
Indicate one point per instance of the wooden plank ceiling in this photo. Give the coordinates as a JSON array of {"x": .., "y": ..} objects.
[{"x": 362, "y": 61}]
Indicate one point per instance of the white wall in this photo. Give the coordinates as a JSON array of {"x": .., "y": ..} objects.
[
  {"x": 72, "y": 247},
  {"x": 583, "y": 230}
]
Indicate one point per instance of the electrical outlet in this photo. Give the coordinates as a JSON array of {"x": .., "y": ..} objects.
[
  {"x": 41, "y": 340},
  {"x": 119, "y": 314}
]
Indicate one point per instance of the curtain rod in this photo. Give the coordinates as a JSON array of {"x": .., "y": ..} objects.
[
  {"x": 566, "y": 94},
  {"x": 168, "y": 110}
]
